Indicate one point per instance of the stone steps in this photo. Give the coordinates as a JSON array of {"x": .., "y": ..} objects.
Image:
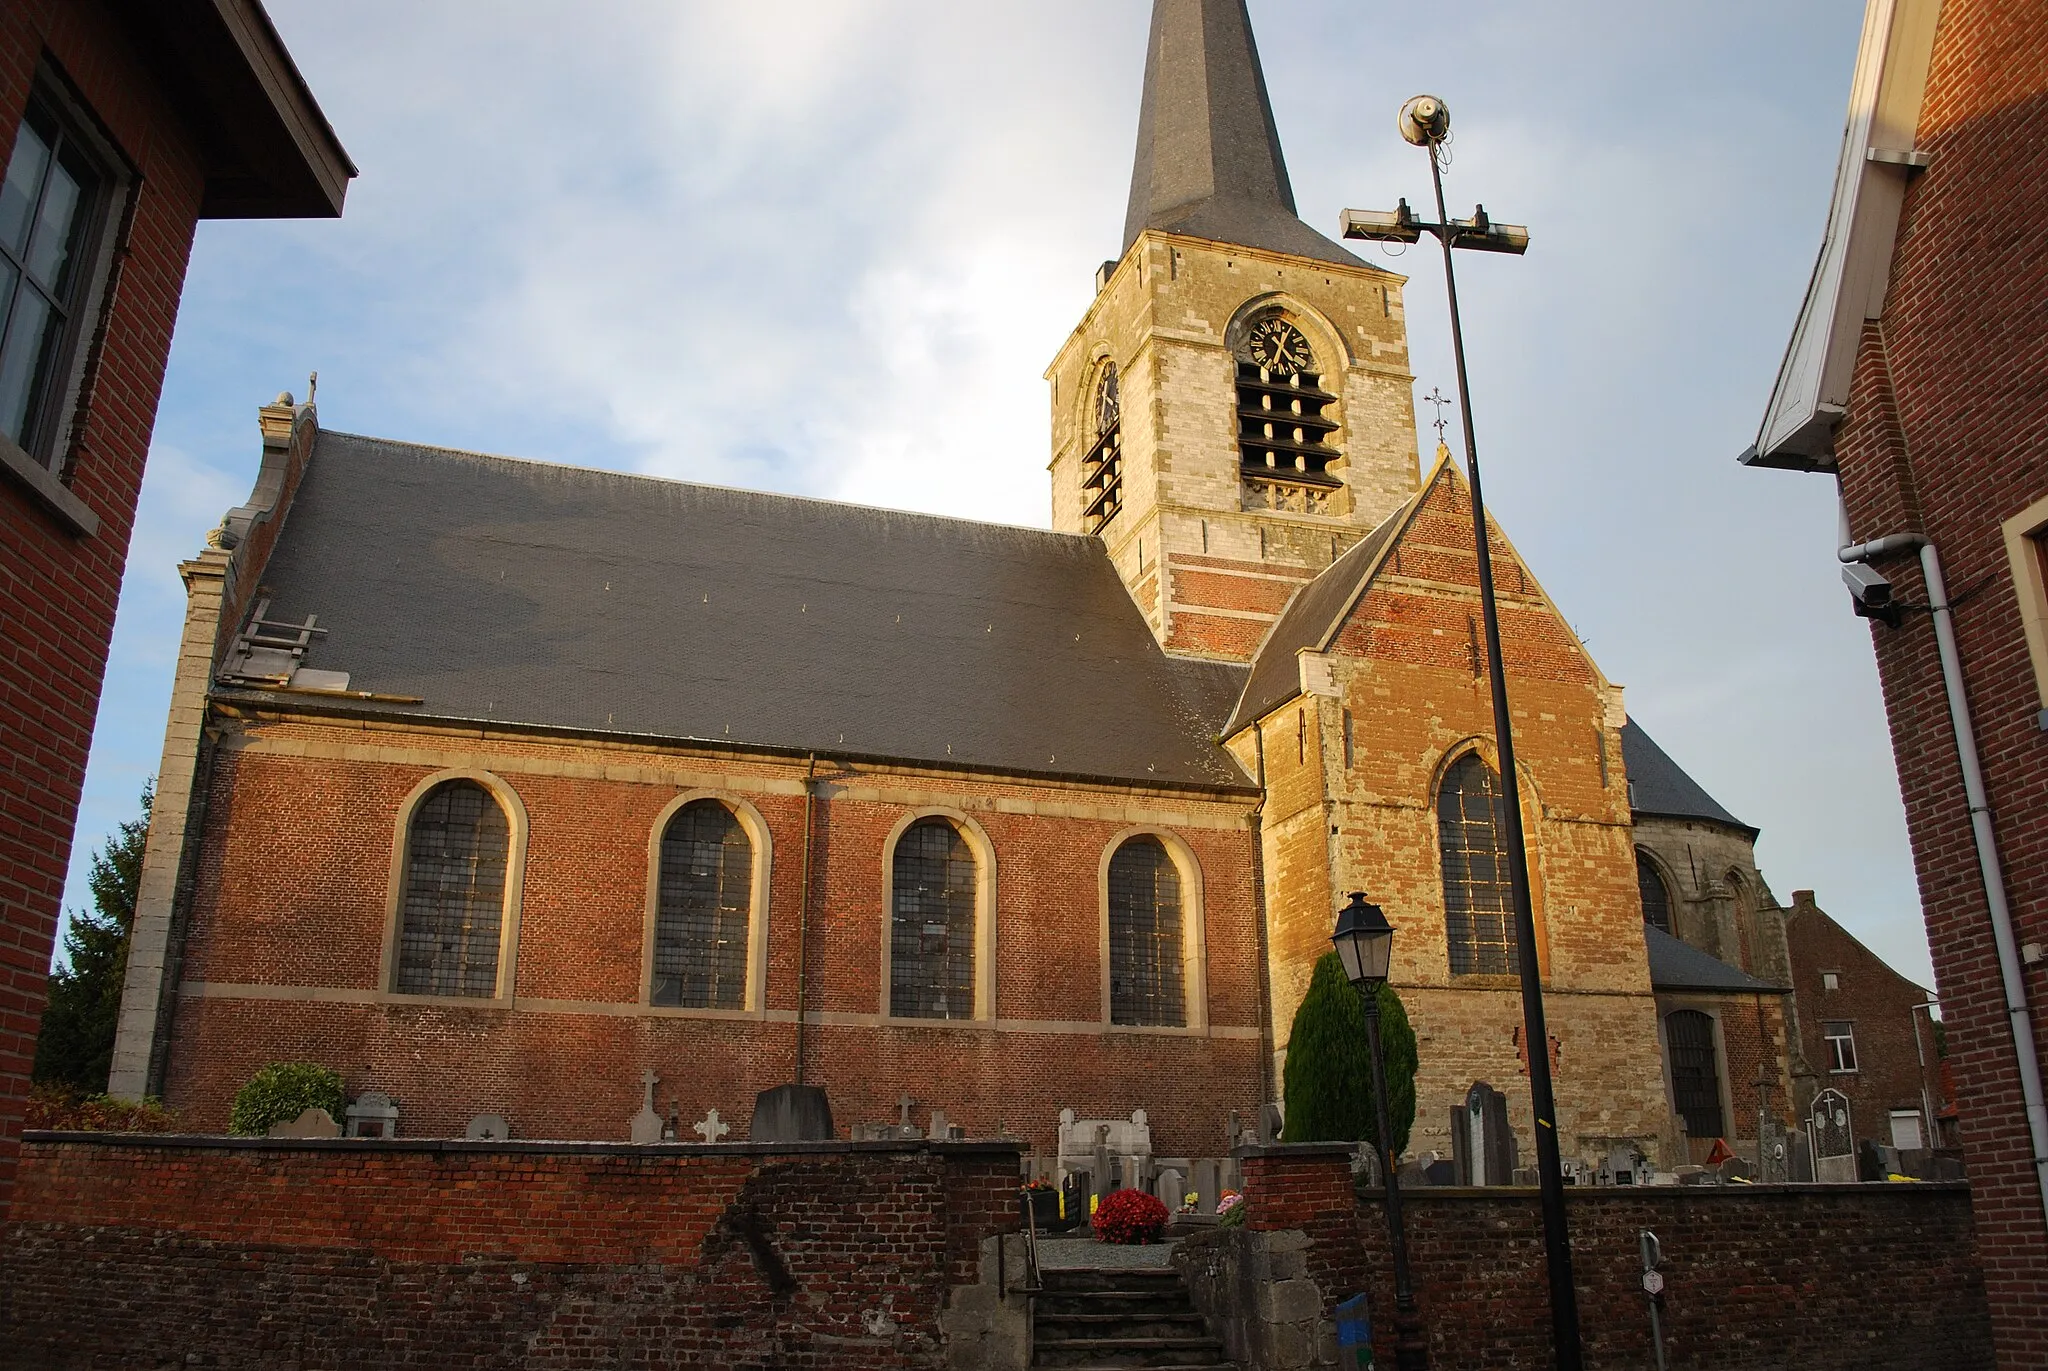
[{"x": 1096, "y": 1319}]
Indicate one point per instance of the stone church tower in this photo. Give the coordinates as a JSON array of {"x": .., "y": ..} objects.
[{"x": 1235, "y": 408}]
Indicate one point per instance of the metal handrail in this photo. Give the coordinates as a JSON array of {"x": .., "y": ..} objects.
[{"x": 1031, "y": 1282}]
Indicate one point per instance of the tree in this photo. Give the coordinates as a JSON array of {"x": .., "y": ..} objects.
[
  {"x": 1329, "y": 1064},
  {"x": 75, "y": 1047}
]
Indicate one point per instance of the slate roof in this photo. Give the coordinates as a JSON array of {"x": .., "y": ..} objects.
[
  {"x": 1657, "y": 785},
  {"x": 1209, "y": 163},
  {"x": 1676, "y": 965},
  {"x": 1309, "y": 618},
  {"x": 521, "y": 592}
]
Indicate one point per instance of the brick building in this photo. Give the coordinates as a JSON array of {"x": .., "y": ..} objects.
[
  {"x": 1917, "y": 376},
  {"x": 124, "y": 126},
  {"x": 496, "y": 784}
]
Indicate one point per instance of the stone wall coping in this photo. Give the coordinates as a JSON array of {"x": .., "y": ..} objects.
[
  {"x": 1422, "y": 1194},
  {"x": 207, "y": 1142},
  {"x": 1304, "y": 1151}
]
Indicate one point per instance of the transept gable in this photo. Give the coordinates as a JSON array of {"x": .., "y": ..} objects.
[{"x": 1409, "y": 593}]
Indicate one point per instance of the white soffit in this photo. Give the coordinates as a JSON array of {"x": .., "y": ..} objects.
[{"x": 1854, "y": 269}]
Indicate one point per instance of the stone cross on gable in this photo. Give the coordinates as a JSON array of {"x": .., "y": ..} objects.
[{"x": 709, "y": 1128}]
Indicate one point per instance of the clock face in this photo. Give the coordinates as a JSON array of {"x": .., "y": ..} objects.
[
  {"x": 1108, "y": 409},
  {"x": 1279, "y": 347}
]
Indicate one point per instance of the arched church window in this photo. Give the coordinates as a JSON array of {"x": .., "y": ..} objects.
[
  {"x": 703, "y": 909},
  {"x": 1102, "y": 470},
  {"x": 1478, "y": 907},
  {"x": 1695, "y": 1073},
  {"x": 932, "y": 923},
  {"x": 1284, "y": 421},
  {"x": 1656, "y": 895},
  {"x": 1145, "y": 947},
  {"x": 452, "y": 911}
]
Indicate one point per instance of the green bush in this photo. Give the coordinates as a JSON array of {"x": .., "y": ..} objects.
[
  {"x": 1329, "y": 1065},
  {"x": 281, "y": 1092}
]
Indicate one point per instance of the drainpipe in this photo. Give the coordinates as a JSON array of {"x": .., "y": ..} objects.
[
  {"x": 1267, "y": 1045},
  {"x": 1988, "y": 864},
  {"x": 803, "y": 917}
]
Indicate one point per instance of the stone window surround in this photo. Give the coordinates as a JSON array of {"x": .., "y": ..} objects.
[
  {"x": 1194, "y": 946},
  {"x": 515, "y": 880},
  {"x": 756, "y": 828},
  {"x": 1667, "y": 1005},
  {"x": 2026, "y": 546},
  {"x": 977, "y": 840},
  {"x": 1672, "y": 891}
]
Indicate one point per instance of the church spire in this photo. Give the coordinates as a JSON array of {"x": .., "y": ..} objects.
[{"x": 1209, "y": 163}]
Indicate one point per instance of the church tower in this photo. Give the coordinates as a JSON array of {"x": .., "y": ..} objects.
[{"x": 1235, "y": 409}]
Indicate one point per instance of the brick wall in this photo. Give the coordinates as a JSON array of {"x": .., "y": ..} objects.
[
  {"x": 1826, "y": 1278},
  {"x": 59, "y": 589},
  {"x": 1945, "y": 433},
  {"x": 1878, "y": 1004},
  {"x": 284, "y": 958},
  {"x": 248, "y": 1253}
]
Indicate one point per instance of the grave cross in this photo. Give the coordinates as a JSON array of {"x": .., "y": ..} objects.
[
  {"x": 709, "y": 1128},
  {"x": 648, "y": 1078},
  {"x": 903, "y": 1103}
]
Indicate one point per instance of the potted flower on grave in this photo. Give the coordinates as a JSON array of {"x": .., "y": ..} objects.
[{"x": 1044, "y": 1199}]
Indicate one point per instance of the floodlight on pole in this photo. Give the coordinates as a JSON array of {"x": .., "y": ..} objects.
[{"x": 1425, "y": 121}]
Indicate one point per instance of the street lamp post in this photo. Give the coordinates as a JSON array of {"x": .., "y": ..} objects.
[
  {"x": 1425, "y": 122},
  {"x": 1365, "y": 944}
]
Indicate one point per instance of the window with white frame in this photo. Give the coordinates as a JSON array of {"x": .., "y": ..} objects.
[
  {"x": 1841, "y": 1044},
  {"x": 1830, "y": 980},
  {"x": 53, "y": 205}
]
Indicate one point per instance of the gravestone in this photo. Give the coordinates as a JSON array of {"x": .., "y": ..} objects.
[
  {"x": 488, "y": 1128},
  {"x": 1271, "y": 1124},
  {"x": 1623, "y": 1166},
  {"x": 313, "y": 1123},
  {"x": 1100, "y": 1172},
  {"x": 1870, "y": 1161},
  {"x": 1440, "y": 1173},
  {"x": 372, "y": 1114},
  {"x": 939, "y": 1133},
  {"x": 1074, "y": 1193},
  {"x": 1208, "y": 1184},
  {"x": 709, "y": 1128},
  {"x": 1365, "y": 1166},
  {"x": 1799, "y": 1159},
  {"x": 791, "y": 1113},
  {"x": 1483, "y": 1147},
  {"x": 1834, "y": 1139},
  {"x": 645, "y": 1127},
  {"x": 1737, "y": 1169},
  {"x": 1170, "y": 1188}
]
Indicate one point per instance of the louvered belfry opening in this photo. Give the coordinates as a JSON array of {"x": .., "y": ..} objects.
[
  {"x": 931, "y": 933},
  {"x": 1695, "y": 1075},
  {"x": 1145, "y": 983},
  {"x": 703, "y": 913},
  {"x": 1284, "y": 422},
  {"x": 1478, "y": 900},
  {"x": 1102, "y": 470},
  {"x": 454, "y": 908}
]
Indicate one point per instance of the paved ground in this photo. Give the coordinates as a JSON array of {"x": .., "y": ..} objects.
[{"x": 1066, "y": 1254}]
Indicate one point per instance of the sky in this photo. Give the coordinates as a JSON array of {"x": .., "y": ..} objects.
[{"x": 828, "y": 247}]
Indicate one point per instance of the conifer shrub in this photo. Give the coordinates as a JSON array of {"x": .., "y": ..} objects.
[
  {"x": 1329, "y": 1064},
  {"x": 281, "y": 1092},
  {"x": 1131, "y": 1217}
]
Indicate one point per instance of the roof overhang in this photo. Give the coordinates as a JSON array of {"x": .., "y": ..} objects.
[
  {"x": 265, "y": 148},
  {"x": 1850, "y": 279}
]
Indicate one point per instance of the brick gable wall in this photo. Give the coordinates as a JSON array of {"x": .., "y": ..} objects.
[{"x": 59, "y": 589}]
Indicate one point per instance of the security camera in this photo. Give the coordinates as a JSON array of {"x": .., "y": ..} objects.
[
  {"x": 1870, "y": 593},
  {"x": 1425, "y": 120}
]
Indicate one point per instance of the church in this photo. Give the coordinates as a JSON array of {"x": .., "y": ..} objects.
[{"x": 503, "y": 787}]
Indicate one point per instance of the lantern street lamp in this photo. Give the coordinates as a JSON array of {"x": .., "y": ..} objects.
[
  {"x": 1365, "y": 945},
  {"x": 1425, "y": 122}
]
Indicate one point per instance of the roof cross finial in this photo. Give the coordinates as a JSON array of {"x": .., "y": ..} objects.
[{"x": 1436, "y": 397}]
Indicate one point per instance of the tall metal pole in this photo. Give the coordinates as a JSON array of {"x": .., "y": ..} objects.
[
  {"x": 1411, "y": 1345},
  {"x": 1557, "y": 1243}
]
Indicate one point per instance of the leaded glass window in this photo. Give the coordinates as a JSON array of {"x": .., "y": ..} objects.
[
  {"x": 453, "y": 910},
  {"x": 932, "y": 924},
  {"x": 1478, "y": 906},
  {"x": 1656, "y": 895},
  {"x": 1695, "y": 1076},
  {"x": 1145, "y": 937},
  {"x": 703, "y": 910}
]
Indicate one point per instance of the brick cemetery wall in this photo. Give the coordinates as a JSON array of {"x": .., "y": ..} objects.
[
  {"x": 1818, "y": 1277},
  {"x": 256, "y": 1252}
]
